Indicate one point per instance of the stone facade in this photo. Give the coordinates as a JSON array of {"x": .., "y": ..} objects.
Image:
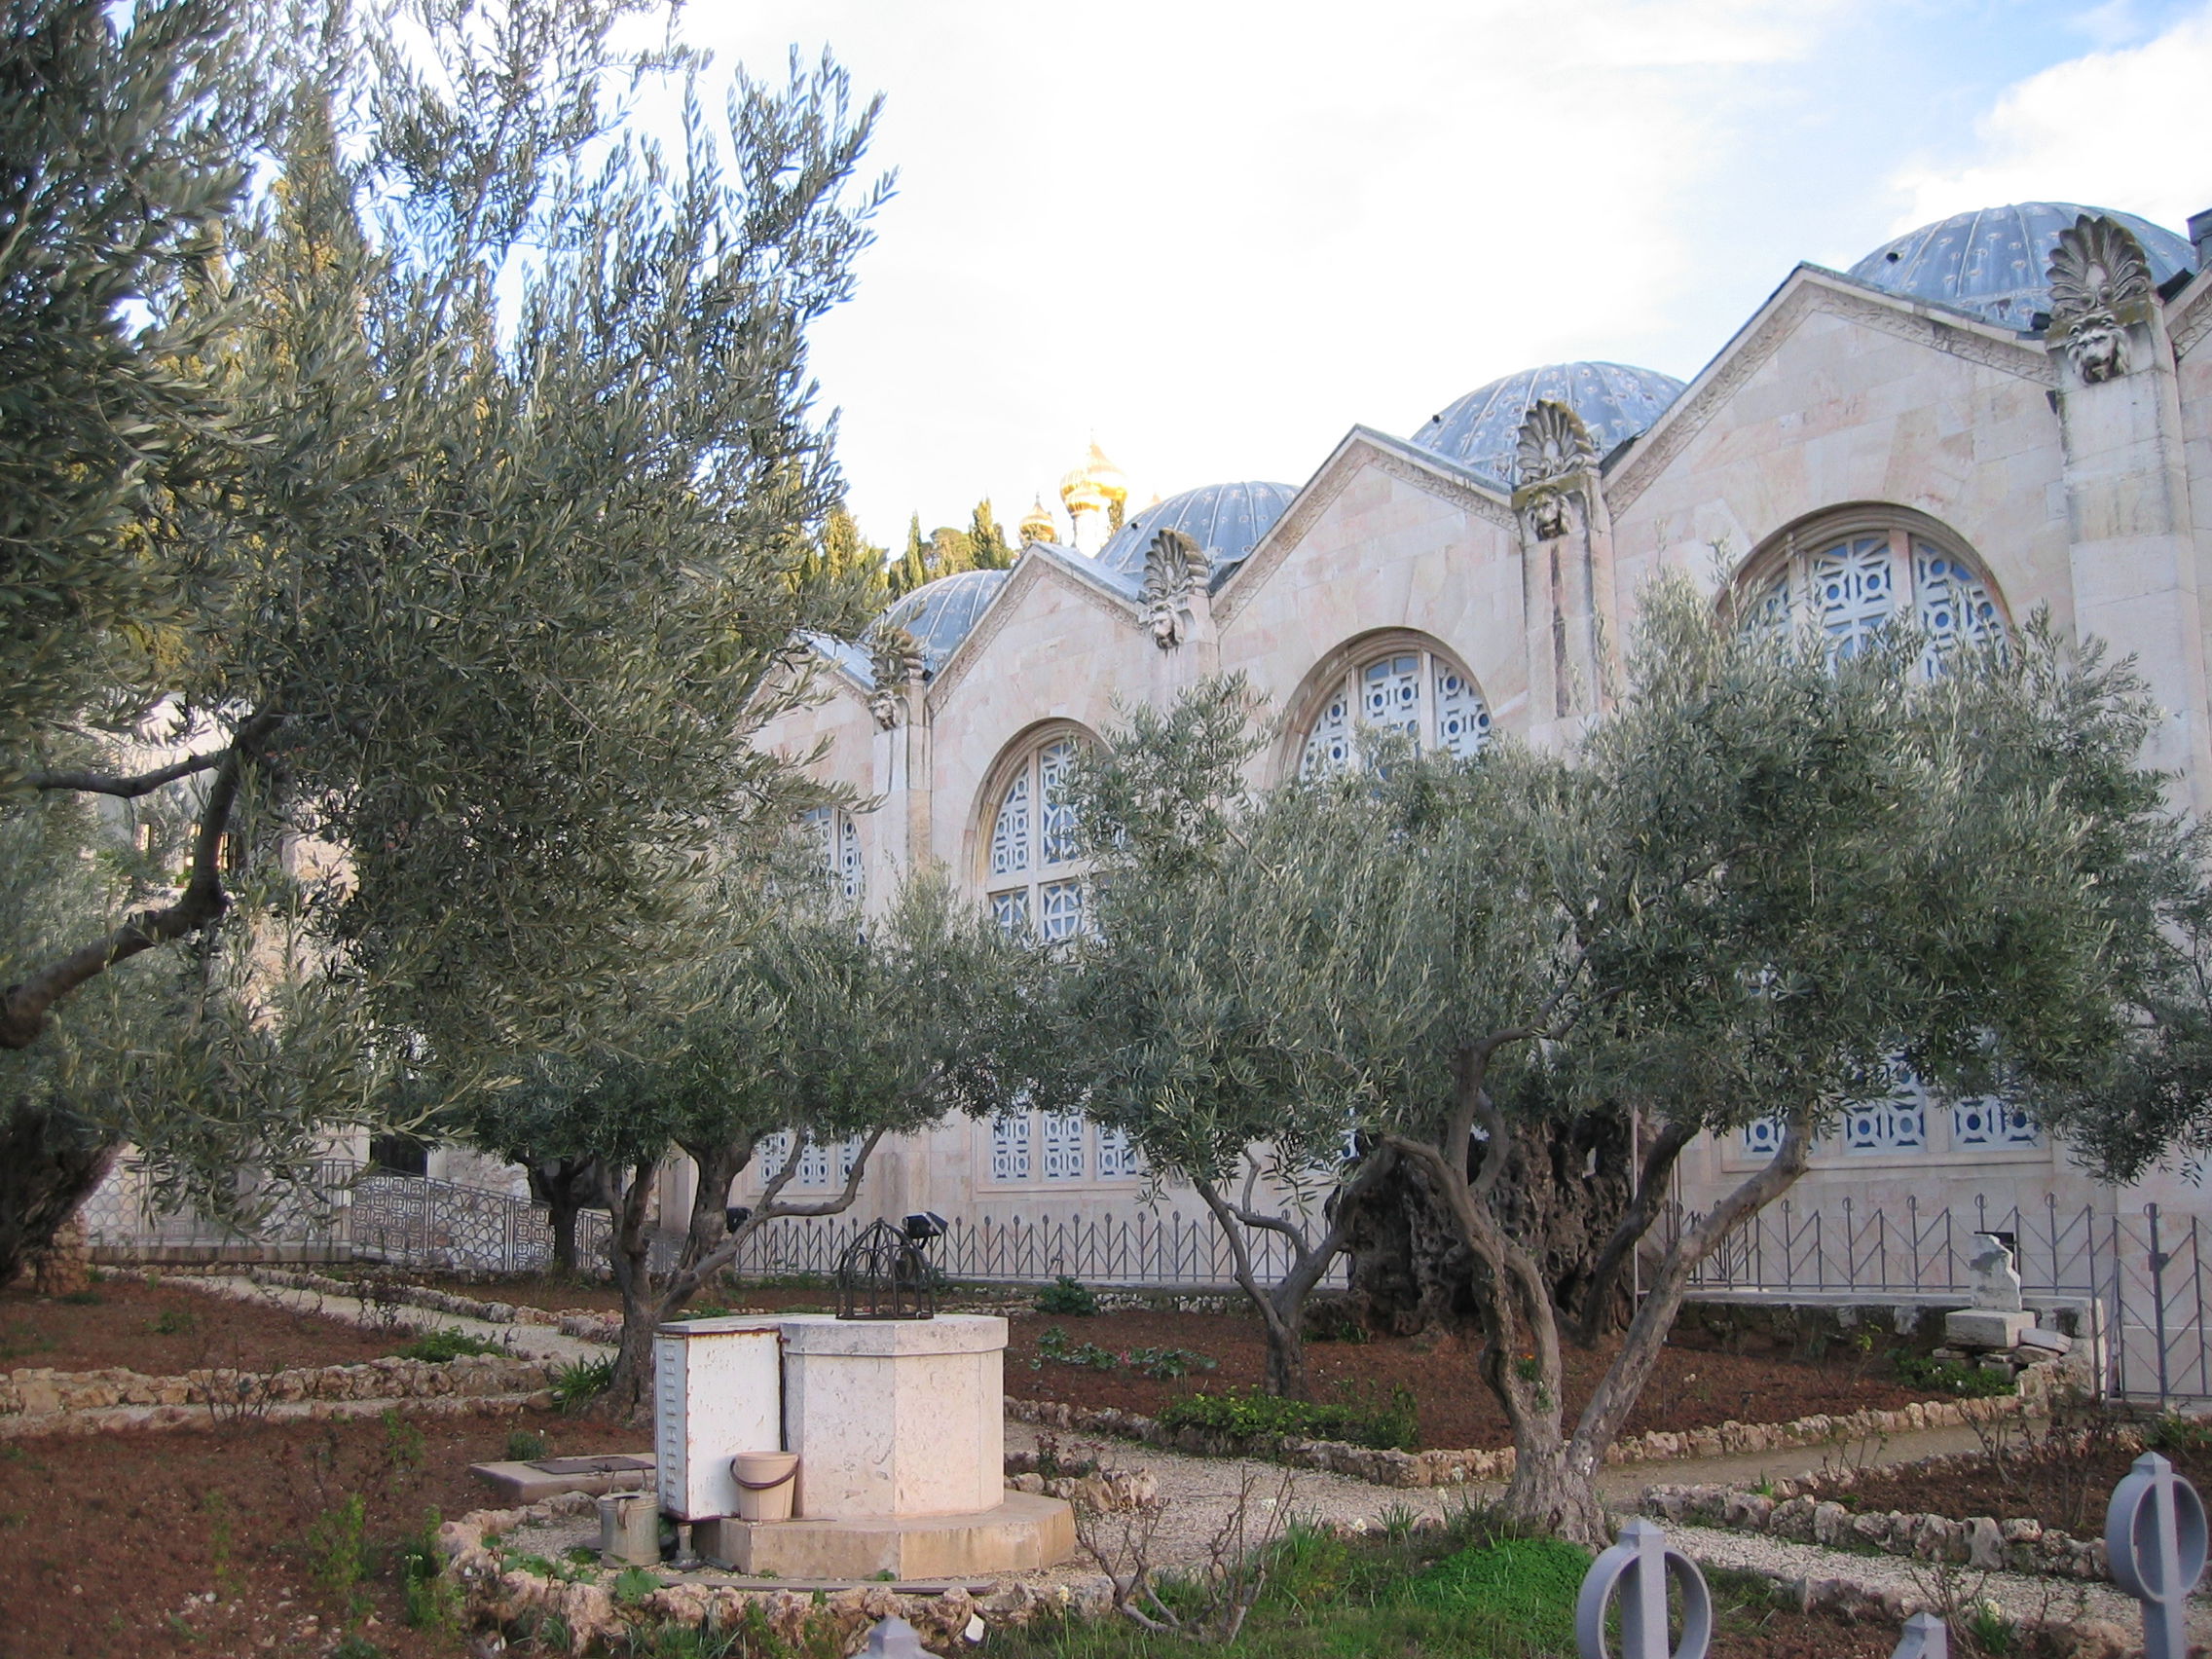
[{"x": 1978, "y": 469}]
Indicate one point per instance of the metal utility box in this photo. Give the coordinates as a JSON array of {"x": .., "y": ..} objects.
[{"x": 717, "y": 1390}]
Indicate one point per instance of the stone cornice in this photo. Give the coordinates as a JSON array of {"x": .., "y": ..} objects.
[
  {"x": 1808, "y": 291},
  {"x": 1362, "y": 450},
  {"x": 1035, "y": 566},
  {"x": 2189, "y": 318}
]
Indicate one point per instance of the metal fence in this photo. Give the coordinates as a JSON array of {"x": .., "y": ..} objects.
[
  {"x": 359, "y": 1212},
  {"x": 2138, "y": 1276}
]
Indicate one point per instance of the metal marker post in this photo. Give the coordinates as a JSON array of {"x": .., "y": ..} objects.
[
  {"x": 2154, "y": 1535},
  {"x": 1639, "y": 1566}
]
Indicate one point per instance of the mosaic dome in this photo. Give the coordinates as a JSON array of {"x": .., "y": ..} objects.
[
  {"x": 1992, "y": 262},
  {"x": 1614, "y": 401},
  {"x": 1227, "y": 520},
  {"x": 939, "y": 614}
]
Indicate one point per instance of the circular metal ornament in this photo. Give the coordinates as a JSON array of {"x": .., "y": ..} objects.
[
  {"x": 1638, "y": 1568},
  {"x": 2155, "y": 1538}
]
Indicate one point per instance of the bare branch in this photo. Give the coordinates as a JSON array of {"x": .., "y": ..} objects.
[{"x": 129, "y": 788}]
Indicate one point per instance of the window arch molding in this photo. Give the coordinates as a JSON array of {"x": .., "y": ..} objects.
[
  {"x": 1845, "y": 569},
  {"x": 1046, "y": 870},
  {"x": 1335, "y": 674}
]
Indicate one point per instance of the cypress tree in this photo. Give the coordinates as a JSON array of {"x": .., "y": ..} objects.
[{"x": 991, "y": 552}]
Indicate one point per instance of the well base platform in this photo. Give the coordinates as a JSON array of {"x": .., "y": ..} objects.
[{"x": 1022, "y": 1533}]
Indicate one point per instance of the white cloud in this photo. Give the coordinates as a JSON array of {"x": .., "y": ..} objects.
[{"x": 2114, "y": 128}]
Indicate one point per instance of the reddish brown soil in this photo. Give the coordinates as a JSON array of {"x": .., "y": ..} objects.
[
  {"x": 105, "y": 1541},
  {"x": 161, "y": 1330},
  {"x": 1692, "y": 1387},
  {"x": 2063, "y": 1488},
  {"x": 1786, "y": 1633}
]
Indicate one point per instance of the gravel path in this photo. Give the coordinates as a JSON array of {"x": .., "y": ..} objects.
[{"x": 536, "y": 1341}]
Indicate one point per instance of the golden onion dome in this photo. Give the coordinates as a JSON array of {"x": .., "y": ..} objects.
[
  {"x": 1109, "y": 480},
  {"x": 1037, "y": 524}
]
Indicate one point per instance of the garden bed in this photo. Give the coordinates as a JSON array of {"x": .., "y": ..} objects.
[
  {"x": 162, "y": 1327},
  {"x": 2063, "y": 1486},
  {"x": 1692, "y": 1388},
  {"x": 110, "y": 1545}
]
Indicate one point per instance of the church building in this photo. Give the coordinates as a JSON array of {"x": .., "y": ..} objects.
[{"x": 2008, "y": 410}]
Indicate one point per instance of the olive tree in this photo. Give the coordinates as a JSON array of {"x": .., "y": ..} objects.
[
  {"x": 1767, "y": 881},
  {"x": 811, "y": 1026},
  {"x": 519, "y": 465}
]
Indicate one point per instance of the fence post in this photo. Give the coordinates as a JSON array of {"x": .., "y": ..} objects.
[
  {"x": 2158, "y": 1298},
  {"x": 2154, "y": 1539},
  {"x": 1638, "y": 1567}
]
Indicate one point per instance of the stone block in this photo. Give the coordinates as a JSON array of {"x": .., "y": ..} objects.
[
  {"x": 2040, "y": 1342},
  {"x": 895, "y": 1417},
  {"x": 515, "y": 1485},
  {"x": 1985, "y": 1327},
  {"x": 1022, "y": 1533}
]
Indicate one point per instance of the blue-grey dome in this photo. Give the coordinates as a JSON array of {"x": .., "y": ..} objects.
[
  {"x": 1993, "y": 262},
  {"x": 939, "y": 614},
  {"x": 1227, "y": 520},
  {"x": 1614, "y": 401}
]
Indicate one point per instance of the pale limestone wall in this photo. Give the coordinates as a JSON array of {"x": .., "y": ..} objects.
[{"x": 2093, "y": 502}]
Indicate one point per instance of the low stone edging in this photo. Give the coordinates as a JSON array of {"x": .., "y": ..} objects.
[
  {"x": 119, "y": 1418},
  {"x": 1797, "y": 1510},
  {"x": 46, "y": 1393},
  {"x": 1413, "y": 1469},
  {"x": 800, "y": 1618}
]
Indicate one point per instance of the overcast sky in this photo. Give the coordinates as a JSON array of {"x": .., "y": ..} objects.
[{"x": 1217, "y": 235}]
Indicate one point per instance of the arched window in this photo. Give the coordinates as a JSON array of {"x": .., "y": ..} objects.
[
  {"x": 1852, "y": 580},
  {"x": 1030, "y": 869},
  {"x": 1408, "y": 688},
  {"x": 836, "y": 848}
]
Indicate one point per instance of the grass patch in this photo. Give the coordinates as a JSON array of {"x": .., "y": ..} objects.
[
  {"x": 1242, "y": 1416},
  {"x": 441, "y": 1344},
  {"x": 1949, "y": 1377}
]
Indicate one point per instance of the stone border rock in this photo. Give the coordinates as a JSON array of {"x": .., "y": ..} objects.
[
  {"x": 1414, "y": 1469},
  {"x": 125, "y": 1418},
  {"x": 44, "y": 1392},
  {"x": 497, "y": 1593},
  {"x": 1797, "y": 1510}
]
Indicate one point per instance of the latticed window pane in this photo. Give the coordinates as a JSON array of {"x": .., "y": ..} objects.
[
  {"x": 1853, "y": 591},
  {"x": 774, "y": 1151},
  {"x": 848, "y": 1155},
  {"x": 1009, "y": 1147},
  {"x": 1992, "y": 1123},
  {"x": 1763, "y": 1137},
  {"x": 1329, "y": 745},
  {"x": 1462, "y": 720},
  {"x": 852, "y": 880},
  {"x": 1770, "y": 613},
  {"x": 1058, "y": 812},
  {"x": 1389, "y": 694},
  {"x": 1062, "y": 908},
  {"x": 1116, "y": 1156},
  {"x": 813, "y": 1165},
  {"x": 1897, "y": 1122},
  {"x": 1954, "y": 606},
  {"x": 1011, "y": 911},
  {"x": 1064, "y": 1147},
  {"x": 1010, "y": 836}
]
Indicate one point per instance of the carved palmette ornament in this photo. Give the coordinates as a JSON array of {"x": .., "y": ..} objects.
[
  {"x": 2100, "y": 281},
  {"x": 1554, "y": 446},
  {"x": 895, "y": 656},
  {"x": 1174, "y": 568}
]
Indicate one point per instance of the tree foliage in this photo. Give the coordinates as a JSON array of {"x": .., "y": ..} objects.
[{"x": 1766, "y": 882}]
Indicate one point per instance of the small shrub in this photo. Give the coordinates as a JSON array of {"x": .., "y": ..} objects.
[
  {"x": 171, "y": 1323},
  {"x": 433, "y": 1600},
  {"x": 582, "y": 1380},
  {"x": 1949, "y": 1377},
  {"x": 1242, "y": 1416},
  {"x": 337, "y": 1547},
  {"x": 355, "y": 1646},
  {"x": 1162, "y": 1364},
  {"x": 633, "y": 1584},
  {"x": 441, "y": 1344},
  {"x": 523, "y": 1446},
  {"x": 2174, "y": 1432},
  {"x": 87, "y": 1298},
  {"x": 1054, "y": 1345},
  {"x": 1067, "y": 1294}
]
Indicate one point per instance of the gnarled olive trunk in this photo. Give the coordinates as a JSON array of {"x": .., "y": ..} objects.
[
  {"x": 48, "y": 1166},
  {"x": 568, "y": 1187},
  {"x": 1565, "y": 1190}
]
